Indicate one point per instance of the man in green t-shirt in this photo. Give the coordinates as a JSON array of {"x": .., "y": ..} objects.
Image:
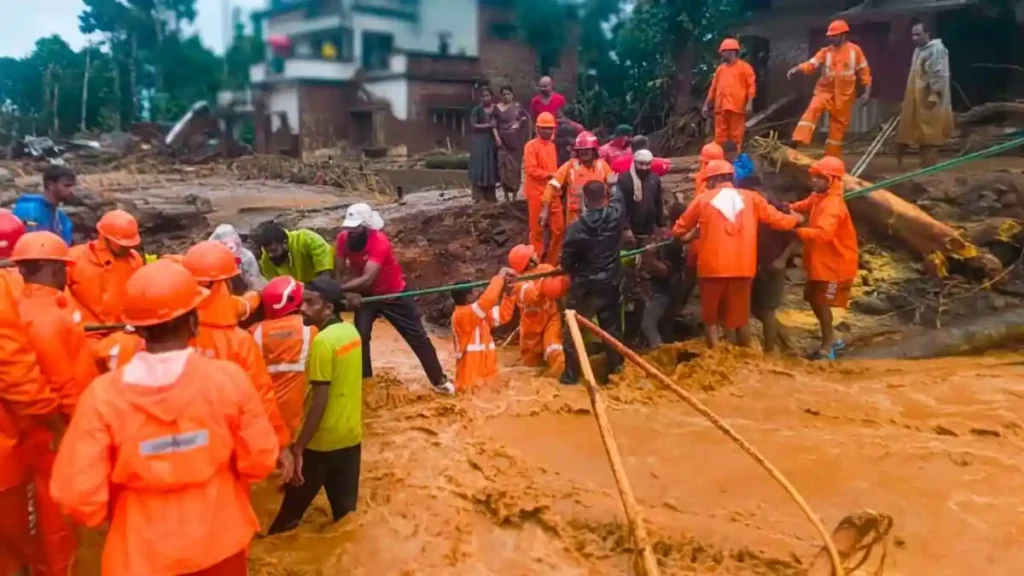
[
  {"x": 327, "y": 448},
  {"x": 301, "y": 254}
]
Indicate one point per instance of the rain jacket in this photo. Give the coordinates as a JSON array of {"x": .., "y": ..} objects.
[
  {"x": 64, "y": 354},
  {"x": 476, "y": 357},
  {"x": 728, "y": 219},
  {"x": 284, "y": 343},
  {"x": 732, "y": 87},
  {"x": 927, "y": 114},
  {"x": 830, "y": 240},
  {"x": 38, "y": 214},
  {"x": 540, "y": 324},
  {"x": 165, "y": 449},
  {"x": 228, "y": 236},
  {"x": 308, "y": 255},
  {"x": 98, "y": 279},
  {"x": 590, "y": 253}
]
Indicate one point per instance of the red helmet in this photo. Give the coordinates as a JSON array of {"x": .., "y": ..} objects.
[
  {"x": 586, "y": 140},
  {"x": 281, "y": 296},
  {"x": 11, "y": 228}
]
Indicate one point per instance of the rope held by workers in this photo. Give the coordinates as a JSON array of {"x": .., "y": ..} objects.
[
  {"x": 718, "y": 423},
  {"x": 636, "y": 522}
]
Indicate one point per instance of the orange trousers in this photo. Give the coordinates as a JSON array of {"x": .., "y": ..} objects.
[
  {"x": 16, "y": 545},
  {"x": 543, "y": 345},
  {"x": 534, "y": 206},
  {"x": 234, "y": 565},
  {"x": 556, "y": 224},
  {"x": 730, "y": 126},
  {"x": 838, "y": 121},
  {"x": 53, "y": 535}
]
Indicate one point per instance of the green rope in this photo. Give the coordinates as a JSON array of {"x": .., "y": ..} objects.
[
  {"x": 481, "y": 283},
  {"x": 936, "y": 168}
]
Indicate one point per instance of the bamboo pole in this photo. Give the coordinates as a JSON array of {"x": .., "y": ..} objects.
[
  {"x": 633, "y": 357},
  {"x": 636, "y": 522}
]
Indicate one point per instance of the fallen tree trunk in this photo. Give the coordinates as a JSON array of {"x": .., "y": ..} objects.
[
  {"x": 974, "y": 337},
  {"x": 886, "y": 213}
]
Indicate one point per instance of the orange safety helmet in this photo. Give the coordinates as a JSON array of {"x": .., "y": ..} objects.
[
  {"x": 519, "y": 257},
  {"x": 40, "y": 245},
  {"x": 586, "y": 140},
  {"x": 160, "y": 292},
  {"x": 712, "y": 151},
  {"x": 554, "y": 287},
  {"x": 210, "y": 261},
  {"x": 281, "y": 296},
  {"x": 729, "y": 44},
  {"x": 829, "y": 166},
  {"x": 11, "y": 229},
  {"x": 837, "y": 27},
  {"x": 546, "y": 120},
  {"x": 120, "y": 228},
  {"x": 719, "y": 168}
]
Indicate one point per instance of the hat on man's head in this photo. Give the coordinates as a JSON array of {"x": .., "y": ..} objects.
[{"x": 362, "y": 215}]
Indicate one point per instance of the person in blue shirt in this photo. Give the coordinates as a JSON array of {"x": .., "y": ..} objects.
[
  {"x": 42, "y": 211},
  {"x": 741, "y": 163}
]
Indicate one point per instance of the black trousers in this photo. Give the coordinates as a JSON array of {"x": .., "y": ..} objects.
[
  {"x": 605, "y": 303},
  {"x": 337, "y": 472},
  {"x": 403, "y": 314}
]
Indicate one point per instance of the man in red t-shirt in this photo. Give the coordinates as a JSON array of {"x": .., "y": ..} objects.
[
  {"x": 546, "y": 100},
  {"x": 622, "y": 164},
  {"x": 365, "y": 250}
]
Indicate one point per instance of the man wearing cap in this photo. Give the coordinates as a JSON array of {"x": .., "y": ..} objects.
[
  {"x": 731, "y": 96},
  {"x": 327, "y": 449},
  {"x": 620, "y": 144},
  {"x": 103, "y": 266},
  {"x": 366, "y": 251},
  {"x": 302, "y": 254}
]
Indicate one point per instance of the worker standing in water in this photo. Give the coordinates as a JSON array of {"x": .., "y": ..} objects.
[
  {"x": 476, "y": 356},
  {"x": 42, "y": 212},
  {"x": 731, "y": 96},
  {"x": 52, "y": 324},
  {"x": 563, "y": 196},
  {"x": 926, "y": 118},
  {"x": 727, "y": 261},
  {"x": 840, "y": 63},
  {"x": 170, "y": 435},
  {"x": 540, "y": 162},
  {"x": 540, "y": 322},
  {"x": 285, "y": 341},
  {"x": 103, "y": 266},
  {"x": 328, "y": 448},
  {"x": 302, "y": 254},
  {"x": 830, "y": 250}
]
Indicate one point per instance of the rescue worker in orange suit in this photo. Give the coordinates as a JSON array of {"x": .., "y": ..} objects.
[
  {"x": 841, "y": 64},
  {"x": 708, "y": 153},
  {"x": 476, "y": 356},
  {"x": 65, "y": 358},
  {"x": 540, "y": 324},
  {"x": 830, "y": 249},
  {"x": 284, "y": 341},
  {"x": 731, "y": 96},
  {"x": 171, "y": 435},
  {"x": 25, "y": 402},
  {"x": 102, "y": 268},
  {"x": 563, "y": 195},
  {"x": 728, "y": 219},
  {"x": 540, "y": 162}
]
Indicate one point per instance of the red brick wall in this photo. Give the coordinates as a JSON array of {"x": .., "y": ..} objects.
[
  {"x": 446, "y": 67},
  {"x": 323, "y": 116},
  {"x": 420, "y": 133}
]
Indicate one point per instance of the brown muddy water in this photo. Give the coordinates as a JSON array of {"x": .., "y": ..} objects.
[{"x": 514, "y": 479}]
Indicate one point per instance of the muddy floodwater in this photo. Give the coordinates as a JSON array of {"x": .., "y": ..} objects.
[{"x": 514, "y": 479}]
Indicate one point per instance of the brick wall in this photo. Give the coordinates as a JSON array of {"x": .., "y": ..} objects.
[
  {"x": 421, "y": 133},
  {"x": 324, "y": 116},
  {"x": 446, "y": 67}
]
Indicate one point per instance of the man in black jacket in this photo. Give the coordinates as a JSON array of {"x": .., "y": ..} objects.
[{"x": 590, "y": 255}]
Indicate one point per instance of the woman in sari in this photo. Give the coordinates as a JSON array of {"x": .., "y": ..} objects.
[{"x": 513, "y": 123}]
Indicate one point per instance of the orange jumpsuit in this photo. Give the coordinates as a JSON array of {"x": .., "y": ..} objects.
[
  {"x": 165, "y": 449},
  {"x": 65, "y": 359},
  {"x": 23, "y": 397},
  {"x": 97, "y": 281},
  {"x": 836, "y": 92},
  {"x": 540, "y": 323},
  {"x": 540, "y": 161},
  {"x": 285, "y": 342},
  {"x": 476, "y": 357},
  {"x": 568, "y": 182},
  {"x": 247, "y": 303},
  {"x": 733, "y": 86},
  {"x": 830, "y": 243}
]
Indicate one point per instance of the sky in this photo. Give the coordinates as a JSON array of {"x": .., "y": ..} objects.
[{"x": 33, "y": 19}]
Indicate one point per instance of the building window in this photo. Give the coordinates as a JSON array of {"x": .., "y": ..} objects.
[
  {"x": 333, "y": 45},
  {"x": 452, "y": 119},
  {"x": 377, "y": 47}
]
